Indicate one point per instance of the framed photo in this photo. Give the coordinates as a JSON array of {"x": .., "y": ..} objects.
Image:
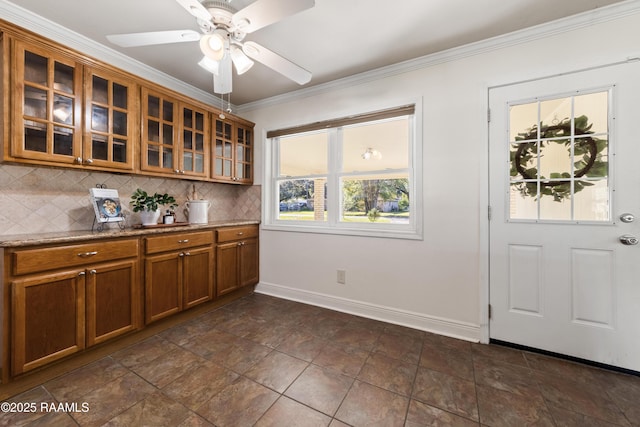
[{"x": 106, "y": 205}]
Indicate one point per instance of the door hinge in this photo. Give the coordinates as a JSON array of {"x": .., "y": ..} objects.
[
  {"x": 490, "y": 311},
  {"x": 489, "y": 212},
  {"x": 488, "y": 115}
]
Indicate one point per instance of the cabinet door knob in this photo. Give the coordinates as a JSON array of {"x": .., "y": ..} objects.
[
  {"x": 88, "y": 161},
  {"x": 181, "y": 254},
  {"x": 92, "y": 271},
  {"x": 183, "y": 241},
  {"x": 82, "y": 273},
  {"x": 187, "y": 253}
]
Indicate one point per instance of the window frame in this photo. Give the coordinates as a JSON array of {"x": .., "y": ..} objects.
[{"x": 333, "y": 223}]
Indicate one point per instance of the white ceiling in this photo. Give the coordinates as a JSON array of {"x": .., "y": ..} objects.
[{"x": 334, "y": 39}]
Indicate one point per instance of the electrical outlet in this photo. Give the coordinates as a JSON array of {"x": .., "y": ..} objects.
[{"x": 342, "y": 277}]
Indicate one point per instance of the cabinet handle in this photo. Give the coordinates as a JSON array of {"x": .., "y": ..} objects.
[
  {"x": 88, "y": 161},
  {"x": 183, "y": 241},
  {"x": 82, "y": 273},
  {"x": 87, "y": 254},
  {"x": 240, "y": 233},
  {"x": 92, "y": 272},
  {"x": 78, "y": 160},
  {"x": 187, "y": 253},
  {"x": 181, "y": 254}
]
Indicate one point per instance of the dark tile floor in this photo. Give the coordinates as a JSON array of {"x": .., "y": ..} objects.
[{"x": 269, "y": 362}]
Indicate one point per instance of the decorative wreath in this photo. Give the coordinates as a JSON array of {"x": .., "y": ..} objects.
[{"x": 587, "y": 150}]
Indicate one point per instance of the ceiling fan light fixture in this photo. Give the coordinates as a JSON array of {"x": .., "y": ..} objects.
[
  {"x": 240, "y": 60},
  {"x": 210, "y": 65},
  {"x": 212, "y": 46}
]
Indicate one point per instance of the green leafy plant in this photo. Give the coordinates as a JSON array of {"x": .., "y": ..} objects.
[{"x": 142, "y": 201}]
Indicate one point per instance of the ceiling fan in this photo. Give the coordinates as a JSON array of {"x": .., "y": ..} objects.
[{"x": 222, "y": 40}]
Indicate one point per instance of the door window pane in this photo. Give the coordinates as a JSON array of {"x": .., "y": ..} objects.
[{"x": 559, "y": 158}]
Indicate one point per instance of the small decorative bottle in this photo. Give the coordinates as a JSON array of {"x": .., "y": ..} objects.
[{"x": 168, "y": 217}]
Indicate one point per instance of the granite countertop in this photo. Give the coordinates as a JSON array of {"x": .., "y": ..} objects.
[{"x": 18, "y": 240}]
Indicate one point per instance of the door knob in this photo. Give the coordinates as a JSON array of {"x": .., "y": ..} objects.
[{"x": 628, "y": 239}]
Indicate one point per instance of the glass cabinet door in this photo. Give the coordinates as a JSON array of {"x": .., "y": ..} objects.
[
  {"x": 159, "y": 131},
  {"x": 47, "y": 106},
  {"x": 244, "y": 154},
  {"x": 109, "y": 119},
  {"x": 195, "y": 147},
  {"x": 223, "y": 151}
]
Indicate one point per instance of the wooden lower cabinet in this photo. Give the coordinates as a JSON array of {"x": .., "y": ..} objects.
[
  {"x": 65, "y": 298},
  {"x": 58, "y": 312},
  {"x": 236, "y": 258},
  {"x": 178, "y": 279},
  {"x": 112, "y": 300},
  {"x": 47, "y": 319}
]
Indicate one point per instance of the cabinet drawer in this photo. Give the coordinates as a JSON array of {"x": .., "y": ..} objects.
[
  {"x": 42, "y": 259},
  {"x": 177, "y": 241},
  {"x": 236, "y": 233}
]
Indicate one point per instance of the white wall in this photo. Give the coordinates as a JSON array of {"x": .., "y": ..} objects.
[{"x": 439, "y": 283}]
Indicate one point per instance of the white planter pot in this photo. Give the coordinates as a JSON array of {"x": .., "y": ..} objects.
[{"x": 149, "y": 217}]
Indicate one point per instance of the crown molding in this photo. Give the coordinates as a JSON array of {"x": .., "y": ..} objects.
[
  {"x": 26, "y": 19},
  {"x": 564, "y": 25},
  {"x": 19, "y": 16}
]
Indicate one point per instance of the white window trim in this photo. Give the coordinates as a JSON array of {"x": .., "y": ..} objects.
[{"x": 333, "y": 225}]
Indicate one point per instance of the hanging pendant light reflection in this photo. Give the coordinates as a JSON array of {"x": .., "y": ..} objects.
[{"x": 371, "y": 153}]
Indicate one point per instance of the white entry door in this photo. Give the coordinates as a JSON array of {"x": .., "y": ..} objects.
[{"x": 564, "y": 183}]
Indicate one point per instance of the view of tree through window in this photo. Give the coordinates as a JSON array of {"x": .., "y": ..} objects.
[{"x": 354, "y": 175}]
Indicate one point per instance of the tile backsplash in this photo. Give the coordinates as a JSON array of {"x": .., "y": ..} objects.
[{"x": 41, "y": 199}]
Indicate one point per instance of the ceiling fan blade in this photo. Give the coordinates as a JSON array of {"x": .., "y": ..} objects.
[
  {"x": 276, "y": 62},
  {"x": 222, "y": 81},
  {"x": 195, "y": 8},
  {"x": 154, "y": 37},
  {"x": 265, "y": 12}
]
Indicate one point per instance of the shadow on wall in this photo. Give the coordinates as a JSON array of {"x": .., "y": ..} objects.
[{"x": 41, "y": 199}]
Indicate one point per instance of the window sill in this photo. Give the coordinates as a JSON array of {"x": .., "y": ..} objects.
[{"x": 408, "y": 234}]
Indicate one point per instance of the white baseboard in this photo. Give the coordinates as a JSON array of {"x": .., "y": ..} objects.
[{"x": 437, "y": 325}]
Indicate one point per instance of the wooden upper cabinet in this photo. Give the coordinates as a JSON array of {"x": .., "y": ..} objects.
[
  {"x": 47, "y": 105},
  {"x": 175, "y": 136},
  {"x": 233, "y": 152},
  {"x": 65, "y": 109},
  {"x": 159, "y": 132},
  {"x": 110, "y": 119},
  {"x": 244, "y": 154},
  {"x": 194, "y": 142}
]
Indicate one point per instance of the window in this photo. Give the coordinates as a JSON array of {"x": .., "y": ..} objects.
[
  {"x": 354, "y": 175},
  {"x": 560, "y": 168}
]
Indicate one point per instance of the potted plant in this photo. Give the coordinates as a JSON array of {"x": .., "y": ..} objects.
[{"x": 149, "y": 205}]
